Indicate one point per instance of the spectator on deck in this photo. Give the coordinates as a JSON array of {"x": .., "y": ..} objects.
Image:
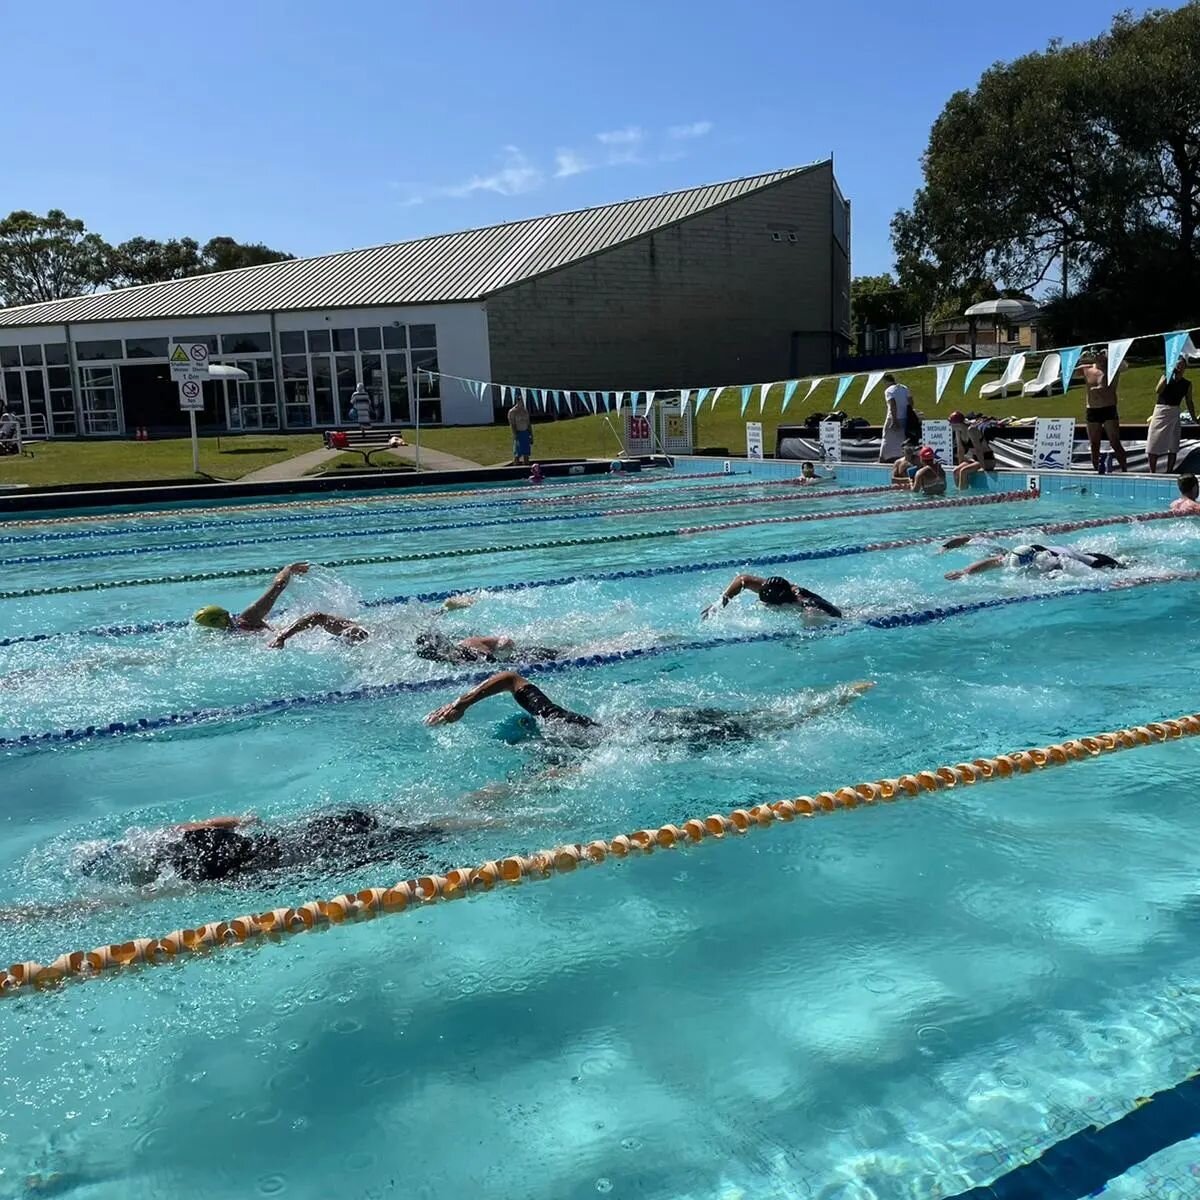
[
  {"x": 898, "y": 399},
  {"x": 1162, "y": 436},
  {"x": 1101, "y": 413},
  {"x": 10, "y": 434},
  {"x": 521, "y": 425}
]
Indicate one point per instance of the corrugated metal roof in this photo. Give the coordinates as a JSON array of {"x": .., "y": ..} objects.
[{"x": 443, "y": 268}]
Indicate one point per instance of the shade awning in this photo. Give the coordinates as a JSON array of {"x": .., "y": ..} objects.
[{"x": 224, "y": 371}]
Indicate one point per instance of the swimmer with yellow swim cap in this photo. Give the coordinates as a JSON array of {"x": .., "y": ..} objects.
[{"x": 254, "y": 618}]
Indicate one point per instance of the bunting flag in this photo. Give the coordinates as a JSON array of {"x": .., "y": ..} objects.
[
  {"x": 701, "y": 396},
  {"x": 1068, "y": 360},
  {"x": 633, "y": 402},
  {"x": 649, "y": 402},
  {"x": 872, "y": 381},
  {"x": 843, "y": 384},
  {"x": 746, "y": 390},
  {"x": 762, "y": 396},
  {"x": 789, "y": 391},
  {"x": 1175, "y": 343},
  {"x": 944, "y": 371},
  {"x": 813, "y": 384},
  {"x": 716, "y": 396},
  {"x": 503, "y": 394},
  {"x": 685, "y": 394},
  {"x": 589, "y": 398},
  {"x": 1116, "y": 355},
  {"x": 974, "y": 370},
  {"x": 620, "y": 400}
]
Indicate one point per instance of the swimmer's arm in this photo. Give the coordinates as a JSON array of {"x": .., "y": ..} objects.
[
  {"x": 337, "y": 626},
  {"x": 454, "y": 602},
  {"x": 255, "y": 616},
  {"x": 502, "y": 681},
  {"x": 984, "y": 564},
  {"x": 740, "y": 583},
  {"x": 954, "y": 543},
  {"x": 213, "y": 823}
]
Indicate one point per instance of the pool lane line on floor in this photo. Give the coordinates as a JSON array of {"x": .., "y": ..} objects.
[
  {"x": 278, "y": 704},
  {"x": 512, "y": 487},
  {"x": 459, "y": 882},
  {"x": 395, "y": 530},
  {"x": 526, "y": 547},
  {"x": 522, "y": 501},
  {"x": 1082, "y": 1163},
  {"x": 729, "y": 564}
]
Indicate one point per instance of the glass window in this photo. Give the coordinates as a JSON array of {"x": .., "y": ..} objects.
[
  {"x": 318, "y": 341},
  {"x": 422, "y": 337},
  {"x": 14, "y": 394},
  {"x": 427, "y": 385},
  {"x": 31, "y": 356},
  {"x": 291, "y": 342},
  {"x": 145, "y": 347},
  {"x": 60, "y": 377},
  {"x": 295, "y": 367},
  {"x": 322, "y": 390},
  {"x": 104, "y": 349},
  {"x": 431, "y": 412},
  {"x": 246, "y": 343},
  {"x": 10, "y": 356},
  {"x": 368, "y": 339},
  {"x": 56, "y": 354},
  {"x": 209, "y": 339},
  {"x": 35, "y": 387},
  {"x": 395, "y": 337},
  {"x": 343, "y": 339},
  {"x": 397, "y": 384},
  {"x": 265, "y": 367}
]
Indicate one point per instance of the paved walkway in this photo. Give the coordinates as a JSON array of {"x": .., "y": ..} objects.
[{"x": 295, "y": 468}]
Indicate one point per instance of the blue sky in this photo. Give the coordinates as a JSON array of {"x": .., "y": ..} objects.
[{"x": 317, "y": 127}]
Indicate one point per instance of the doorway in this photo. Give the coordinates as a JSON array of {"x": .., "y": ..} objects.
[{"x": 150, "y": 398}]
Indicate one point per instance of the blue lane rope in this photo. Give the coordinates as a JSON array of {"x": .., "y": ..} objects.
[
  {"x": 899, "y": 620},
  {"x": 343, "y": 515},
  {"x": 388, "y": 530}
]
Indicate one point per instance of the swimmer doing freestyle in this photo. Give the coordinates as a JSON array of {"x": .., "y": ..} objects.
[
  {"x": 777, "y": 592},
  {"x": 1032, "y": 557}
]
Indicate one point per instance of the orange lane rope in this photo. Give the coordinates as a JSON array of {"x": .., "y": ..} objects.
[{"x": 458, "y": 883}]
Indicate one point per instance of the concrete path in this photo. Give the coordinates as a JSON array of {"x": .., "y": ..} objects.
[
  {"x": 434, "y": 460},
  {"x": 290, "y": 468}
]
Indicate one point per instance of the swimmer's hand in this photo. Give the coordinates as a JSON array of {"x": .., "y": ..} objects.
[
  {"x": 955, "y": 542},
  {"x": 454, "y": 602},
  {"x": 296, "y": 568},
  {"x": 715, "y": 607},
  {"x": 446, "y": 715},
  {"x": 953, "y": 575}
]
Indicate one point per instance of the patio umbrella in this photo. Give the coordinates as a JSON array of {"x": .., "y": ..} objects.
[{"x": 1007, "y": 310}]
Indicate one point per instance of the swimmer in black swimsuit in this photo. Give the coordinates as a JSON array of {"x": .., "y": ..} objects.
[
  {"x": 1034, "y": 557},
  {"x": 777, "y": 592},
  {"x": 697, "y": 727},
  {"x": 437, "y": 647}
]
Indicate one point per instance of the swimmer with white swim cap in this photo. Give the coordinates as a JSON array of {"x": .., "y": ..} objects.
[{"x": 1035, "y": 557}]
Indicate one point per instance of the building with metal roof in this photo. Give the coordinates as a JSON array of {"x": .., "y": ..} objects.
[{"x": 729, "y": 282}]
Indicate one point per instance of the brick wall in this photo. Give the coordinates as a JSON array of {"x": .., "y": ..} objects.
[{"x": 714, "y": 299}]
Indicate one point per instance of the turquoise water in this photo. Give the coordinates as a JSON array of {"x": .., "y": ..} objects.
[{"x": 893, "y": 1002}]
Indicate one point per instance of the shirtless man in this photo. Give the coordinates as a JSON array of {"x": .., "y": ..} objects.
[{"x": 1101, "y": 413}]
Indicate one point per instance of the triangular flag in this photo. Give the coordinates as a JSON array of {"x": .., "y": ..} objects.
[
  {"x": 620, "y": 400},
  {"x": 701, "y": 396},
  {"x": 503, "y": 394},
  {"x": 589, "y": 398},
  {"x": 974, "y": 370},
  {"x": 872, "y": 382},
  {"x": 762, "y": 396},
  {"x": 1116, "y": 356},
  {"x": 564, "y": 402},
  {"x": 812, "y": 386},
  {"x": 843, "y": 384},
  {"x": 1067, "y": 363},
  {"x": 685, "y": 396},
  {"x": 746, "y": 390},
  {"x": 788, "y": 392},
  {"x": 1175, "y": 343},
  {"x": 943, "y": 377},
  {"x": 649, "y": 402},
  {"x": 716, "y": 396}
]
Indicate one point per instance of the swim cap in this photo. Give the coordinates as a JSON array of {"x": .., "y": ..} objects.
[
  {"x": 777, "y": 590},
  {"x": 1024, "y": 555},
  {"x": 956, "y": 418},
  {"x": 927, "y": 454},
  {"x": 213, "y": 616},
  {"x": 517, "y": 729}
]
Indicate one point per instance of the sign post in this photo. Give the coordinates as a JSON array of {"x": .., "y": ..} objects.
[
  {"x": 1053, "y": 443},
  {"x": 937, "y": 435},
  {"x": 831, "y": 441},
  {"x": 189, "y": 368},
  {"x": 754, "y": 440}
]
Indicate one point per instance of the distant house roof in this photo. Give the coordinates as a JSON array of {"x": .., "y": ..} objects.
[{"x": 444, "y": 268}]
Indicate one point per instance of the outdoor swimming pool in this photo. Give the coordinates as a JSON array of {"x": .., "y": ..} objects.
[{"x": 899, "y": 1001}]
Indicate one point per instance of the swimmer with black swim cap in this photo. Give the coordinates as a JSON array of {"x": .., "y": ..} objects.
[
  {"x": 437, "y": 647},
  {"x": 777, "y": 592}
]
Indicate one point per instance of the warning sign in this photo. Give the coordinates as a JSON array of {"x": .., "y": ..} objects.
[
  {"x": 189, "y": 361},
  {"x": 191, "y": 396}
]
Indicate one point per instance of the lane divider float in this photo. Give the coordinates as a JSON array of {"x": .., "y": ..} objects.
[
  {"x": 525, "y": 547},
  {"x": 77, "y": 966},
  {"x": 379, "y": 531},
  {"x": 279, "y": 704},
  {"x": 729, "y": 564}
]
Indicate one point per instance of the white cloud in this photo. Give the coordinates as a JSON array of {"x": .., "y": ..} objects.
[
  {"x": 516, "y": 176},
  {"x": 695, "y": 130},
  {"x": 567, "y": 163},
  {"x": 631, "y": 135}
]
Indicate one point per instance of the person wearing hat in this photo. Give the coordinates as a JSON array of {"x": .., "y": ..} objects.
[
  {"x": 1036, "y": 557},
  {"x": 777, "y": 592},
  {"x": 930, "y": 477},
  {"x": 972, "y": 449},
  {"x": 254, "y": 618}
]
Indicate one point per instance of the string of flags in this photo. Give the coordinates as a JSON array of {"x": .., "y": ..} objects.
[{"x": 1176, "y": 344}]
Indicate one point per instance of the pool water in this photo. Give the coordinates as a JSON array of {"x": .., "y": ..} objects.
[{"x": 898, "y": 1001}]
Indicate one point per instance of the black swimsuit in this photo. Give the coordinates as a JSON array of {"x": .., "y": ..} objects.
[{"x": 535, "y": 702}]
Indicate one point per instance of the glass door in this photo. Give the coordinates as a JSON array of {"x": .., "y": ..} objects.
[
  {"x": 13, "y": 395},
  {"x": 101, "y": 393}
]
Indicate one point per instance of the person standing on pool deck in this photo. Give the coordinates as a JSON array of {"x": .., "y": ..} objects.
[
  {"x": 1162, "y": 436},
  {"x": 898, "y": 399},
  {"x": 777, "y": 592},
  {"x": 521, "y": 424},
  {"x": 1101, "y": 412}
]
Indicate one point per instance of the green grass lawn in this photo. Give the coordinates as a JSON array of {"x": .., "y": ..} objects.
[{"x": 115, "y": 462}]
